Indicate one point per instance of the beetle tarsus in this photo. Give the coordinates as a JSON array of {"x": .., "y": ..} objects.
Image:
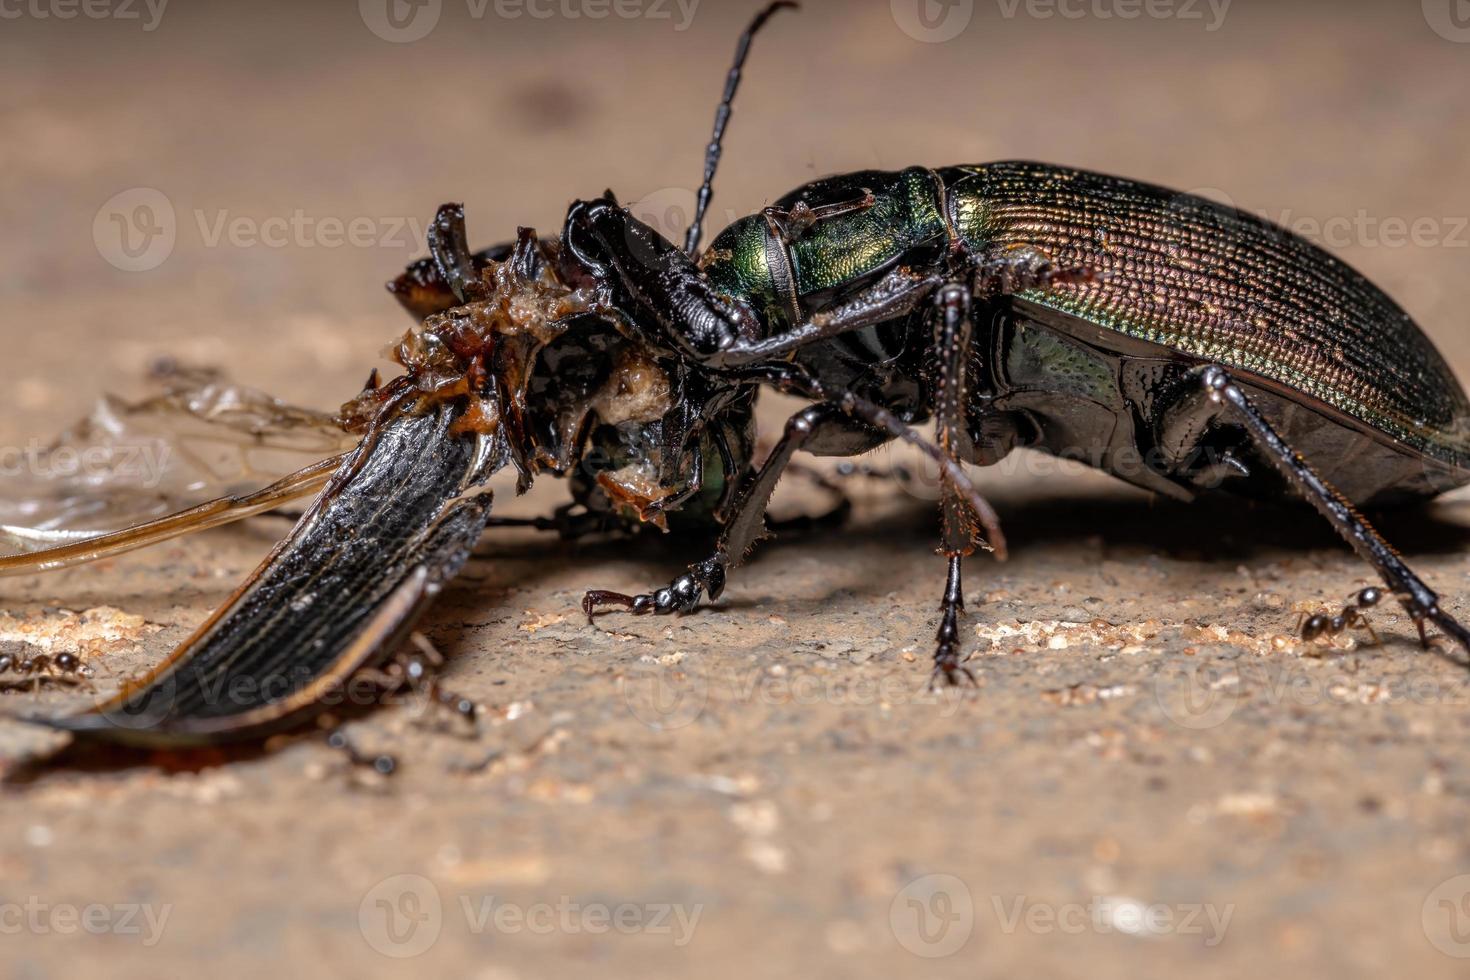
[
  {"x": 682, "y": 595},
  {"x": 947, "y": 663}
]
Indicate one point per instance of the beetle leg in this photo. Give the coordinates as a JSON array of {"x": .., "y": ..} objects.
[
  {"x": 946, "y": 652},
  {"x": 1421, "y": 602},
  {"x": 745, "y": 527},
  {"x": 788, "y": 224},
  {"x": 1179, "y": 437},
  {"x": 569, "y": 524},
  {"x": 952, "y": 331}
]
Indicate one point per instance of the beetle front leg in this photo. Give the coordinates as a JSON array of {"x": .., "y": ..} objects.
[
  {"x": 1421, "y": 602},
  {"x": 744, "y": 528}
]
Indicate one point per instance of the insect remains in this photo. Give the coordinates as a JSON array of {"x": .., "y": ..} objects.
[
  {"x": 1183, "y": 347},
  {"x": 26, "y": 672}
]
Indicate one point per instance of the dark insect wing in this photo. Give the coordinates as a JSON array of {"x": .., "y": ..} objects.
[
  {"x": 130, "y": 463},
  {"x": 396, "y": 522}
]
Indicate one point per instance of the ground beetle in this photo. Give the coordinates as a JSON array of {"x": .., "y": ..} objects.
[{"x": 1175, "y": 343}]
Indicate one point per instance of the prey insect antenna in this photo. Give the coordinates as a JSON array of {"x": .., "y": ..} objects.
[{"x": 722, "y": 118}]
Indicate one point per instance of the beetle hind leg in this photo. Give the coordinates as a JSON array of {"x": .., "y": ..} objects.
[{"x": 1420, "y": 601}]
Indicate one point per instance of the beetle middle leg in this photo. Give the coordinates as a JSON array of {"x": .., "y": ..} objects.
[
  {"x": 952, "y": 335},
  {"x": 1421, "y": 602}
]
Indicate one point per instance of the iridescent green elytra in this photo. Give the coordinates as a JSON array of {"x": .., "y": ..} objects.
[{"x": 1200, "y": 281}]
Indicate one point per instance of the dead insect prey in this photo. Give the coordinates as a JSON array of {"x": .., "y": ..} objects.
[{"x": 1183, "y": 346}]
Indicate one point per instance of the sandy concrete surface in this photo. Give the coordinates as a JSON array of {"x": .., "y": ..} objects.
[{"x": 1147, "y": 782}]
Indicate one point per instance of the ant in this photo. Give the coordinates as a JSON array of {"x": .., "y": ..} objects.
[
  {"x": 411, "y": 671},
  {"x": 43, "y": 666},
  {"x": 1321, "y": 624}
]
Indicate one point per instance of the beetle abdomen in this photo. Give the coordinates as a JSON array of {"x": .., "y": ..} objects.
[{"x": 1223, "y": 286}]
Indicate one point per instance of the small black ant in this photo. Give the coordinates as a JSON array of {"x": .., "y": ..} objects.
[
  {"x": 383, "y": 764},
  {"x": 57, "y": 667},
  {"x": 411, "y": 672},
  {"x": 1321, "y": 624}
]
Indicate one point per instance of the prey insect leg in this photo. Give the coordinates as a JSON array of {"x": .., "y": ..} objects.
[
  {"x": 450, "y": 250},
  {"x": 1421, "y": 602}
]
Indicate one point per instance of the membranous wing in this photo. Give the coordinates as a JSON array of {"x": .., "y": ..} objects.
[{"x": 130, "y": 463}]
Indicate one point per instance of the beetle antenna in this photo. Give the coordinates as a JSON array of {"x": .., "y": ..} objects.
[{"x": 722, "y": 117}]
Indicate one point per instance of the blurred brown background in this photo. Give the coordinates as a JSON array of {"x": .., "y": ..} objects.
[{"x": 230, "y": 184}]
